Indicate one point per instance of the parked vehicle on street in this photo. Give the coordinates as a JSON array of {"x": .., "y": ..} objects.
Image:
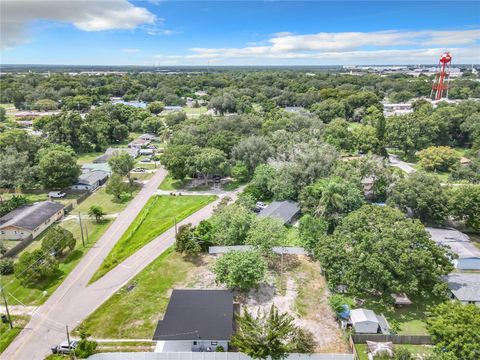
[{"x": 64, "y": 347}]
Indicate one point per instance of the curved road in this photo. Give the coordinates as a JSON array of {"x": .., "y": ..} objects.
[{"x": 74, "y": 299}]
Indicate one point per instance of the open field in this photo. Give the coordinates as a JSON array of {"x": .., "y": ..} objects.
[
  {"x": 7, "y": 335},
  {"x": 419, "y": 352},
  {"x": 34, "y": 295},
  {"x": 156, "y": 217},
  {"x": 192, "y": 112},
  {"x": 107, "y": 202},
  {"x": 169, "y": 183}
]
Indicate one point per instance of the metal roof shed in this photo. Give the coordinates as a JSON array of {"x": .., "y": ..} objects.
[{"x": 364, "y": 321}]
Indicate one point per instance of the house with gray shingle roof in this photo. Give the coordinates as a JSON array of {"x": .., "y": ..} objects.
[
  {"x": 90, "y": 180},
  {"x": 465, "y": 287},
  {"x": 287, "y": 211},
  {"x": 458, "y": 243},
  {"x": 29, "y": 220}
]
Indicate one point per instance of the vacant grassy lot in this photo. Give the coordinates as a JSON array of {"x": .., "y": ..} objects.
[
  {"x": 88, "y": 157},
  {"x": 71, "y": 197},
  {"x": 34, "y": 295},
  {"x": 122, "y": 317},
  {"x": 107, "y": 202},
  {"x": 192, "y": 112},
  {"x": 415, "y": 350},
  {"x": 156, "y": 217},
  {"x": 170, "y": 184},
  {"x": 7, "y": 335}
]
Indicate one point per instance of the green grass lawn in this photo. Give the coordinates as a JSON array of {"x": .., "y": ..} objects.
[
  {"x": 414, "y": 349},
  {"x": 190, "y": 111},
  {"x": 107, "y": 202},
  {"x": 409, "y": 320},
  {"x": 134, "y": 314},
  {"x": 442, "y": 175},
  {"x": 155, "y": 218},
  {"x": 170, "y": 184},
  {"x": 88, "y": 157},
  {"x": 7, "y": 335},
  {"x": 34, "y": 295}
]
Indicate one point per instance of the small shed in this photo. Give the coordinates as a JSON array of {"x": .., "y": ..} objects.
[
  {"x": 364, "y": 321},
  {"x": 400, "y": 300}
]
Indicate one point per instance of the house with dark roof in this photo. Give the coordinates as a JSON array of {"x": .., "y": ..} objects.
[
  {"x": 464, "y": 287},
  {"x": 196, "y": 320},
  {"x": 29, "y": 220},
  {"x": 287, "y": 211},
  {"x": 133, "y": 152},
  {"x": 90, "y": 180}
]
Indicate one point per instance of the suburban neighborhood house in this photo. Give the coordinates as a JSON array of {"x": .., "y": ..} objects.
[
  {"x": 196, "y": 320},
  {"x": 465, "y": 287},
  {"x": 287, "y": 211},
  {"x": 90, "y": 180},
  {"x": 29, "y": 220},
  {"x": 133, "y": 152},
  {"x": 459, "y": 243}
]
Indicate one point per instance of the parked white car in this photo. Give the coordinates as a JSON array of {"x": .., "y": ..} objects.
[
  {"x": 64, "y": 347},
  {"x": 56, "y": 194}
]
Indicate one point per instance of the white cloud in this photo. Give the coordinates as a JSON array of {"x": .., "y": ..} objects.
[
  {"x": 86, "y": 15},
  {"x": 392, "y": 46},
  {"x": 131, "y": 51}
]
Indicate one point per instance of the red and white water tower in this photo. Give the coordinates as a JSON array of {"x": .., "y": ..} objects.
[{"x": 442, "y": 77}]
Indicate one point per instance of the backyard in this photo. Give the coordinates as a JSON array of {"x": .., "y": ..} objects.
[
  {"x": 156, "y": 217},
  {"x": 18, "y": 294},
  {"x": 419, "y": 352}
]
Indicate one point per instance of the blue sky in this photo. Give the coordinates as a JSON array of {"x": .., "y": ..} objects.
[{"x": 121, "y": 32}]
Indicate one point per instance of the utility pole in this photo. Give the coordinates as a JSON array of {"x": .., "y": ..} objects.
[
  {"x": 81, "y": 228},
  {"x": 86, "y": 231},
  {"x": 6, "y": 308},
  {"x": 68, "y": 340},
  {"x": 175, "y": 223}
]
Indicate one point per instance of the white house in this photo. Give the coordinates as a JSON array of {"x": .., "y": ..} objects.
[
  {"x": 465, "y": 287},
  {"x": 29, "y": 220},
  {"x": 459, "y": 243},
  {"x": 90, "y": 180},
  {"x": 196, "y": 320}
]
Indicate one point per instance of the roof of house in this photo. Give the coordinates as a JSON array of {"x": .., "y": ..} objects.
[
  {"x": 197, "y": 314},
  {"x": 284, "y": 210},
  {"x": 99, "y": 166},
  {"x": 30, "y": 216},
  {"x": 133, "y": 152},
  {"x": 458, "y": 242},
  {"x": 92, "y": 177},
  {"x": 361, "y": 315},
  {"x": 465, "y": 286}
]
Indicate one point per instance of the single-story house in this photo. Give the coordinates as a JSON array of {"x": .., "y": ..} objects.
[
  {"x": 287, "y": 211},
  {"x": 147, "y": 151},
  {"x": 367, "y": 183},
  {"x": 196, "y": 320},
  {"x": 172, "y": 108},
  {"x": 90, "y": 180},
  {"x": 464, "y": 287},
  {"x": 133, "y": 152},
  {"x": 97, "y": 166},
  {"x": 365, "y": 321},
  {"x": 464, "y": 161},
  {"x": 459, "y": 243},
  {"x": 397, "y": 109},
  {"x": 29, "y": 220},
  {"x": 295, "y": 109},
  {"x": 138, "y": 143}
]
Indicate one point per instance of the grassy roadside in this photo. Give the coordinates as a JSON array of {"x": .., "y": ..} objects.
[
  {"x": 170, "y": 184},
  {"x": 105, "y": 201},
  {"x": 156, "y": 217},
  {"x": 122, "y": 317},
  {"x": 34, "y": 295},
  {"x": 7, "y": 335}
]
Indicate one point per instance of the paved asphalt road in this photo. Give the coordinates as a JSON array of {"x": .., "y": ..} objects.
[
  {"x": 73, "y": 301},
  {"x": 395, "y": 161}
]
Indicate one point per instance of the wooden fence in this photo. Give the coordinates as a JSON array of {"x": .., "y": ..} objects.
[
  {"x": 19, "y": 247},
  {"x": 396, "y": 339}
]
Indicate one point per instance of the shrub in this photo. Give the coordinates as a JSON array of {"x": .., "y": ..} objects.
[{"x": 6, "y": 266}]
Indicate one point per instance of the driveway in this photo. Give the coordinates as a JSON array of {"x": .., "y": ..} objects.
[
  {"x": 395, "y": 161},
  {"x": 74, "y": 300}
]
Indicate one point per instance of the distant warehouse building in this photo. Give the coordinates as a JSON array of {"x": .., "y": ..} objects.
[
  {"x": 30, "y": 220},
  {"x": 459, "y": 243}
]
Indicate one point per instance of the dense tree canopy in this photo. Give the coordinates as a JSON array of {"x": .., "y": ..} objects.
[{"x": 376, "y": 248}]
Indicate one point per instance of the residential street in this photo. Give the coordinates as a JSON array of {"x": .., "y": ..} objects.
[
  {"x": 395, "y": 161},
  {"x": 74, "y": 300}
]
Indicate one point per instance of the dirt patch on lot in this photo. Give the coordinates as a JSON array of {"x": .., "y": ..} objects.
[{"x": 301, "y": 292}]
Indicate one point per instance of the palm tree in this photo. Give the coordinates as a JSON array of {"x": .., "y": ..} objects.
[{"x": 96, "y": 212}]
